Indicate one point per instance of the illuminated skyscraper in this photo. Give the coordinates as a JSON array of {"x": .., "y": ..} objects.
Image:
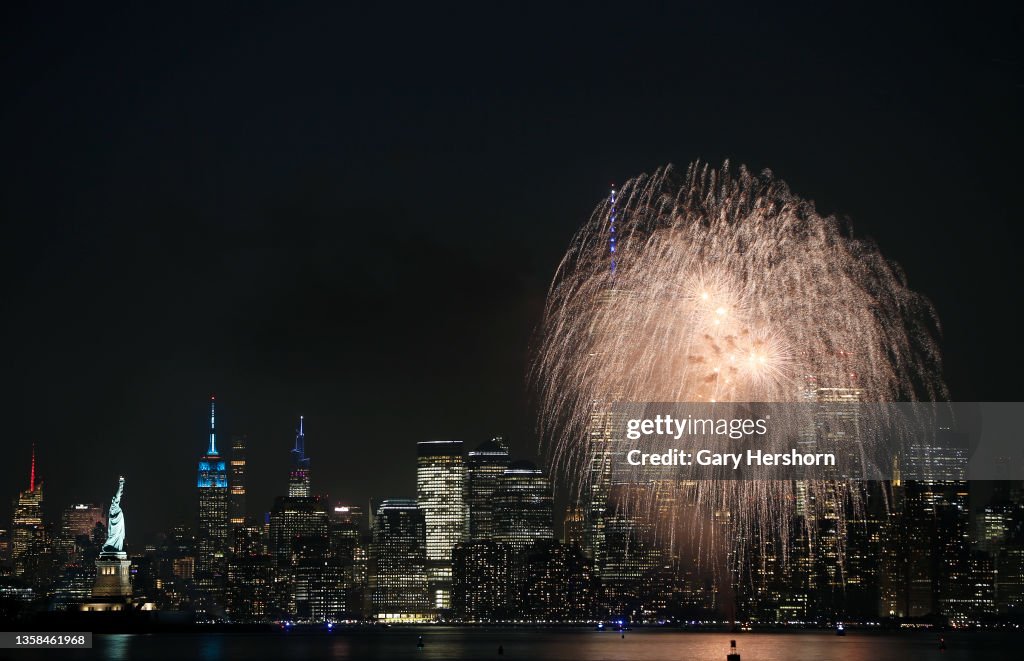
[
  {"x": 440, "y": 491},
  {"x": 523, "y": 506},
  {"x": 305, "y": 587},
  {"x": 928, "y": 566},
  {"x": 236, "y": 495},
  {"x": 398, "y": 574},
  {"x": 485, "y": 466},
  {"x": 83, "y": 529},
  {"x": 602, "y": 443},
  {"x": 81, "y": 520},
  {"x": 317, "y": 582},
  {"x": 937, "y": 525},
  {"x": 346, "y": 523},
  {"x": 77, "y": 522},
  {"x": 574, "y": 525},
  {"x": 629, "y": 558},
  {"x": 212, "y": 537},
  {"x": 249, "y": 577},
  {"x": 557, "y": 583},
  {"x": 293, "y": 519},
  {"x": 298, "y": 479},
  {"x": 484, "y": 582},
  {"x": 843, "y": 572},
  {"x": 349, "y": 551},
  {"x": 27, "y": 532},
  {"x": 298, "y": 547}
]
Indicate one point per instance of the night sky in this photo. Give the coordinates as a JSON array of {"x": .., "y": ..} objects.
[{"x": 354, "y": 213}]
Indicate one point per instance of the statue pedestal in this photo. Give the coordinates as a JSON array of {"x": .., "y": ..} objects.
[{"x": 113, "y": 576}]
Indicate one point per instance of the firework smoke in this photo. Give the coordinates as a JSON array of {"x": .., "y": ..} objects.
[{"x": 725, "y": 287}]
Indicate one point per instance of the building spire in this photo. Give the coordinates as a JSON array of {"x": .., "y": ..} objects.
[
  {"x": 298, "y": 478},
  {"x": 299, "y": 451},
  {"x": 213, "y": 432},
  {"x": 32, "y": 472},
  {"x": 611, "y": 229}
]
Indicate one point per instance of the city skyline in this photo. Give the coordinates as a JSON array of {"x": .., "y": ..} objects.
[
  {"x": 219, "y": 474},
  {"x": 370, "y": 244},
  {"x": 930, "y": 552}
]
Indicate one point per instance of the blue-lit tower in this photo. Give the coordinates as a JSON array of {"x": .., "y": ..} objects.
[
  {"x": 298, "y": 478},
  {"x": 212, "y": 529}
]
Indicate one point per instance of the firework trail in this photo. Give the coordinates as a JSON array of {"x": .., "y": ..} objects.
[{"x": 726, "y": 287}]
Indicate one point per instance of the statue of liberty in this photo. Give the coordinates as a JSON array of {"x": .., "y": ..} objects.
[{"x": 115, "y": 523}]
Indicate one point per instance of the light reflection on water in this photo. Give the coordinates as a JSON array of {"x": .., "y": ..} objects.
[
  {"x": 441, "y": 643},
  {"x": 117, "y": 646}
]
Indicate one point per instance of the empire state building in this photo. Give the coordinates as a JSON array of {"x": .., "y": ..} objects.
[{"x": 212, "y": 537}]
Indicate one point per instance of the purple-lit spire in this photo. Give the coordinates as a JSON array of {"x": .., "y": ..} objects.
[{"x": 299, "y": 451}]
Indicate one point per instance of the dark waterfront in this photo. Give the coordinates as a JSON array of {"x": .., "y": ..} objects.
[{"x": 551, "y": 645}]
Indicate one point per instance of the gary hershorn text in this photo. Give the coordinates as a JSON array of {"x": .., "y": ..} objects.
[{"x": 732, "y": 459}]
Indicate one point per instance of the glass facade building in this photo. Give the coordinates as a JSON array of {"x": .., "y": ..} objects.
[
  {"x": 440, "y": 492},
  {"x": 523, "y": 506},
  {"x": 484, "y": 468},
  {"x": 398, "y": 563}
]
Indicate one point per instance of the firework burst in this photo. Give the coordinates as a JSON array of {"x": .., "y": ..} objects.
[{"x": 714, "y": 286}]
